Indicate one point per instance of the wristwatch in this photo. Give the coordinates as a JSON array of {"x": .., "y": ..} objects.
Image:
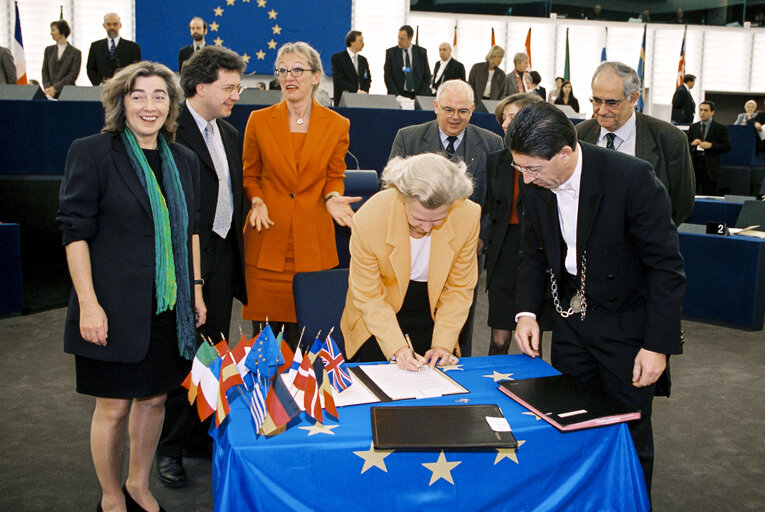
[{"x": 199, "y": 282}]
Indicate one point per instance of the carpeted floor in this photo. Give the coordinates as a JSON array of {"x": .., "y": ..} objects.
[{"x": 709, "y": 435}]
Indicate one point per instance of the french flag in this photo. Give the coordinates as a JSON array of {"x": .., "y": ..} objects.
[{"x": 17, "y": 49}]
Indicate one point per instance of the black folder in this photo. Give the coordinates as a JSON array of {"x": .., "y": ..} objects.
[
  {"x": 438, "y": 427},
  {"x": 566, "y": 403}
]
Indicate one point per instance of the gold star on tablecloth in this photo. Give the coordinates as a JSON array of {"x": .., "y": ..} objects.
[
  {"x": 277, "y": 29},
  {"x": 374, "y": 458},
  {"x": 246, "y": 1},
  {"x": 262, "y": 3},
  {"x": 230, "y": 2},
  {"x": 532, "y": 414},
  {"x": 448, "y": 367},
  {"x": 508, "y": 453},
  {"x": 271, "y": 44},
  {"x": 499, "y": 376},
  {"x": 441, "y": 469},
  {"x": 214, "y": 27},
  {"x": 319, "y": 428},
  {"x": 272, "y": 14},
  {"x": 218, "y": 11},
  {"x": 218, "y": 41},
  {"x": 261, "y": 55},
  {"x": 246, "y": 58}
]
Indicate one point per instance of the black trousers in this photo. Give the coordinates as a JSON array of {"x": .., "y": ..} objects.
[
  {"x": 704, "y": 183},
  {"x": 182, "y": 428}
]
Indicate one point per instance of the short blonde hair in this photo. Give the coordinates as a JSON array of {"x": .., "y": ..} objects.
[
  {"x": 496, "y": 51},
  {"x": 430, "y": 178},
  {"x": 116, "y": 88},
  {"x": 304, "y": 50}
]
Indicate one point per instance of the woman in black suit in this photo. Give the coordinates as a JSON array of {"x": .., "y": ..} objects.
[
  {"x": 566, "y": 96},
  {"x": 61, "y": 62},
  {"x": 128, "y": 210}
]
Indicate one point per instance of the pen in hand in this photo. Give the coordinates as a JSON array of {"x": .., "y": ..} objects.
[{"x": 414, "y": 355}]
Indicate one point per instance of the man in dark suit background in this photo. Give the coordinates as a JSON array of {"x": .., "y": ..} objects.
[
  {"x": 198, "y": 30},
  {"x": 108, "y": 55},
  {"x": 446, "y": 68},
  {"x": 708, "y": 141},
  {"x": 211, "y": 82},
  {"x": 350, "y": 69},
  {"x": 406, "y": 67},
  {"x": 7, "y": 66},
  {"x": 683, "y": 106},
  {"x": 596, "y": 229},
  {"x": 616, "y": 125},
  {"x": 452, "y": 134}
]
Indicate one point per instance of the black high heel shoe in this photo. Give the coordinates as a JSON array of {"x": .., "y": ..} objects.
[{"x": 132, "y": 505}]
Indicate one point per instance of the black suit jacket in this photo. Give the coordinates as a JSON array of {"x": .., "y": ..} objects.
[
  {"x": 455, "y": 70},
  {"x": 344, "y": 76},
  {"x": 184, "y": 54},
  {"x": 479, "y": 74},
  {"x": 683, "y": 106},
  {"x": 634, "y": 267},
  {"x": 665, "y": 147},
  {"x": 60, "y": 72},
  {"x": 500, "y": 187},
  {"x": 100, "y": 66},
  {"x": 189, "y": 135},
  {"x": 719, "y": 136},
  {"x": 103, "y": 202},
  {"x": 394, "y": 70}
]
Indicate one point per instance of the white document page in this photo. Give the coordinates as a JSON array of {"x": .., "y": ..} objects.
[
  {"x": 401, "y": 384},
  {"x": 356, "y": 393}
]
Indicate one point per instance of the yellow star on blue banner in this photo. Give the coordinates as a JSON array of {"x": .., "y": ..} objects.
[{"x": 272, "y": 14}]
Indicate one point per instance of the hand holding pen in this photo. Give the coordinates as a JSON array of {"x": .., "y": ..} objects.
[{"x": 408, "y": 359}]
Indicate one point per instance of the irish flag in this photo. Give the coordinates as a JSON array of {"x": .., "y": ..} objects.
[{"x": 204, "y": 374}]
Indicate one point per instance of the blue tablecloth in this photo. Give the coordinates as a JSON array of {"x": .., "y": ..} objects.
[{"x": 594, "y": 469}]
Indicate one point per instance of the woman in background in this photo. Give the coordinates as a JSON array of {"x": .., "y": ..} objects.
[
  {"x": 566, "y": 96},
  {"x": 750, "y": 108},
  {"x": 61, "y": 62}
]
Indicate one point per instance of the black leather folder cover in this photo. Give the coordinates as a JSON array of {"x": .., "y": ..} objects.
[
  {"x": 566, "y": 403},
  {"x": 438, "y": 427}
]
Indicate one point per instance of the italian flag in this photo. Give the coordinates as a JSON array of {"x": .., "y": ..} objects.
[{"x": 204, "y": 374}]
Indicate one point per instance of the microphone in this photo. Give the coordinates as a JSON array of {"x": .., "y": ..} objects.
[{"x": 356, "y": 159}]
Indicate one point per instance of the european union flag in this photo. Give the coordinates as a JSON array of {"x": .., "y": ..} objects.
[{"x": 255, "y": 29}]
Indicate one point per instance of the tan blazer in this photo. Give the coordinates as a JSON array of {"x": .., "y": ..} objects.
[{"x": 380, "y": 267}]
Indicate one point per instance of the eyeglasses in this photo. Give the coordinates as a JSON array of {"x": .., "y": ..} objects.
[
  {"x": 296, "y": 72},
  {"x": 526, "y": 170},
  {"x": 597, "y": 102},
  {"x": 229, "y": 89},
  {"x": 450, "y": 112}
]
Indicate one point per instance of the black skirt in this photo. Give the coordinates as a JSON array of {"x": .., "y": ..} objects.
[{"x": 160, "y": 371}]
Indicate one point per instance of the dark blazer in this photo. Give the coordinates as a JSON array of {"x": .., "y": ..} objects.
[
  {"x": 455, "y": 70},
  {"x": 103, "y": 202},
  {"x": 719, "y": 136},
  {"x": 189, "y": 135},
  {"x": 683, "y": 106},
  {"x": 100, "y": 66},
  {"x": 476, "y": 144},
  {"x": 511, "y": 86},
  {"x": 60, "y": 72},
  {"x": 394, "y": 72},
  {"x": 500, "y": 187},
  {"x": 7, "y": 67},
  {"x": 634, "y": 267},
  {"x": 665, "y": 147},
  {"x": 184, "y": 54},
  {"x": 344, "y": 76},
  {"x": 539, "y": 90},
  {"x": 479, "y": 74},
  {"x": 572, "y": 102}
]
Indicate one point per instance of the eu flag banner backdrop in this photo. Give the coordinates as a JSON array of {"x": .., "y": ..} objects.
[{"x": 255, "y": 29}]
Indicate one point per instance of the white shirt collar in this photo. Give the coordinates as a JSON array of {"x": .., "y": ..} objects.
[
  {"x": 445, "y": 62},
  {"x": 116, "y": 40},
  {"x": 351, "y": 52},
  {"x": 444, "y": 138},
  {"x": 571, "y": 185},
  {"x": 624, "y": 132},
  {"x": 201, "y": 121}
]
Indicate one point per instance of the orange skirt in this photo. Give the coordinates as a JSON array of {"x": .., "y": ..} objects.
[{"x": 269, "y": 293}]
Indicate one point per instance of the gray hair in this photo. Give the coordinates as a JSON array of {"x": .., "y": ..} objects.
[
  {"x": 750, "y": 102},
  {"x": 520, "y": 57},
  {"x": 456, "y": 84},
  {"x": 623, "y": 71},
  {"x": 112, "y": 14},
  {"x": 496, "y": 51},
  {"x": 430, "y": 178},
  {"x": 304, "y": 50}
]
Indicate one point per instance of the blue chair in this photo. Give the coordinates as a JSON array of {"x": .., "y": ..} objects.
[
  {"x": 319, "y": 302},
  {"x": 357, "y": 183}
]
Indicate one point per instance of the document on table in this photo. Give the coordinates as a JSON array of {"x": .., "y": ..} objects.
[
  {"x": 356, "y": 393},
  {"x": 389, "y": 382}
]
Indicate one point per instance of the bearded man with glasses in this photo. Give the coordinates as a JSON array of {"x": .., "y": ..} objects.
[
  {"x": 452, "y": 135},
  {"x": 615, "y": 125}
]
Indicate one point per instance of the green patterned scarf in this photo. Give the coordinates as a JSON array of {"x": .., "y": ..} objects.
[{"x": 170, "y": 238}]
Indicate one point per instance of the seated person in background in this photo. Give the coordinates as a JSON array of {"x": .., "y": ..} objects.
[
  {"x": 556, "y": 91},
  {"x": 750, "y": 108},
  {"x": 61, "y": 61},
  {"x": 566, "y": 96},
  {"x": 261, "y": 86},
  {"x": 413, "y": 264}
]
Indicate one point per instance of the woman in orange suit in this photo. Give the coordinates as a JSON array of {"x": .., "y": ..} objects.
[{"x": 294, "y": 164}]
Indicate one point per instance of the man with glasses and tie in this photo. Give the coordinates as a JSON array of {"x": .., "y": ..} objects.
[
  {"x": 406, "y": 67},
  {"x": 350, "y": 69},
  {"x": 615, "y": 125},
  {"x": 596, "y": 232},
  {"x": 108, "y": 55},
  {"x": 452, "y": 134},
  {"x": 211, "y": 82},
  {"x": 198, "y": 30}
]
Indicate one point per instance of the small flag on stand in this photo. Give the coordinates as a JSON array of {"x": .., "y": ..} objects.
[
  {"x": 281, "y": 408},
  {"x": 334, "y": 362},
  {"x": 258, "y": 407},
  {"x": 264, "y": 358},
  {"x": 325, "y": 392},
  {"x": 287, "y": 354},
  {"x": 239, "y": 354},
  {"x": 305, "y": 381},
  {"x": 200, "y": 373}
]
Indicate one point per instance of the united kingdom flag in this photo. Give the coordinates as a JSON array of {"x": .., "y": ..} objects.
[{"x": 334, "y": 362}]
